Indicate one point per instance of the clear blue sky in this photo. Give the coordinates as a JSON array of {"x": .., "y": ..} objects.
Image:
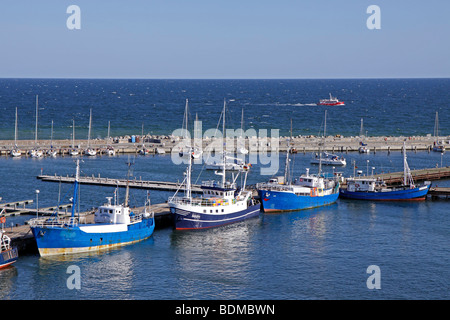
[{"x": 224, "y": 39}]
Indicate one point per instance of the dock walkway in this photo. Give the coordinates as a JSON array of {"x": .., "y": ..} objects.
[
  {"x": 138, "y": 184},
  {"x": 420, "y": 175}
]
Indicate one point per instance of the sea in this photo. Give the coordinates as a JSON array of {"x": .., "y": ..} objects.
[{"x": 349, "y": 250}]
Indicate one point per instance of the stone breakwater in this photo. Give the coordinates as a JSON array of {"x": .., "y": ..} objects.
[{"x": 167, "y": 144}]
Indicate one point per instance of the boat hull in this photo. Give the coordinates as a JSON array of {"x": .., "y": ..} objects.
[
  {"x": 277, "y": 201},
  {"x": 187, "y": 220},
  {"x": 331, "y": 104},
  {"x": 87, "y": 238},
  {"x": 8, "y": 257},
  {"x": 395, "y": 195}
]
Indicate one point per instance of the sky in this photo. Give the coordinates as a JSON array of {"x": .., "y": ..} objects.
[{"x": 220, "y": 39}]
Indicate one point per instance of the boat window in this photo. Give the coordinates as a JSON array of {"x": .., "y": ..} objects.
[{"x": 204, "y": 211}]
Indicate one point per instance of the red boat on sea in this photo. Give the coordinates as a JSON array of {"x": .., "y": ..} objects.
[{"x": 333, "y": 101}]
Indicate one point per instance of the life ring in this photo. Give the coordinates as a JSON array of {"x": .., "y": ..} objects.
[{"x": 357, "y": 185}]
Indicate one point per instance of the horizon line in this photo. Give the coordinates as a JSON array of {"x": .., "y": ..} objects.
[{"x": 176, "y": 78}]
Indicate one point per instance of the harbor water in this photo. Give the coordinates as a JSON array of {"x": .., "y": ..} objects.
[{"x": 321, "y": 253}]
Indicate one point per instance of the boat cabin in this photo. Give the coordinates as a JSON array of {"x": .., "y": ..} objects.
[
  {"x": 213, "y": 189},
  {"x": 310, "y": 181},
  {"x": 364, "y": 184},
  {"x": 109, "y": 213}
]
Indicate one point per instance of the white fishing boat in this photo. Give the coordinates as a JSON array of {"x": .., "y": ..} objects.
[
  {"x": 329, "y": 159},
  {"x": 230, "y": 164},
  {"x": 222, "y": 201},
  {"x": 110, "y": 151}
]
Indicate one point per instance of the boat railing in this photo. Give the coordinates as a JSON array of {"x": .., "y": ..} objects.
[
  {"x": 53, "y": 222},
  {"x": 273, "y": 187},
  {"x": 202, "y": 202}
]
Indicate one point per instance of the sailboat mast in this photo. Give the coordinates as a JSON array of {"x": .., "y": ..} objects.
[
  {"x": 73, "y": 133},
  {"x": 89, "y": 131},
  {"x": 51, "y": 137},
  {"x": 15, "y": 131},
  {"x": 35, "y": 133},
  {"x": 323, "y": 143}
]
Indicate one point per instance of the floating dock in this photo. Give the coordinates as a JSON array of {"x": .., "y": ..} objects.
[
  {"x": 437, "y": 192},
  {"x": 109, "y": 182},
  {"x": 420, "y": 175},
  {"x": 17, "y": 210}
]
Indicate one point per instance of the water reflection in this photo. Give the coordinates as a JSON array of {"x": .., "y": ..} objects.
[
  {"x": 215, "y": 259},
  {"x": 8, "y": 277}
]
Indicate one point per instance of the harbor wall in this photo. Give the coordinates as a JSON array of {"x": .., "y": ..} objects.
[{"x": 157, "y": 144}]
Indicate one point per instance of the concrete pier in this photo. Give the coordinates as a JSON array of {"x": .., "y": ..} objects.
[{"x": 157, "y": 144}]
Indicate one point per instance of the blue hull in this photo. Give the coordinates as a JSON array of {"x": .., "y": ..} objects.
[
  {"x": 185, "y": 220},
  {"x": 275, "y": 201},
  {"x": 67, "y": 240},
  {"x": 8, "y": 257},
  {"x": 397, "y": 195}
]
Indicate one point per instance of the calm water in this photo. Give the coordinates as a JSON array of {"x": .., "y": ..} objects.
[
  {"x": 321, "y": 253},
  {"x": 389, "y": 106}
]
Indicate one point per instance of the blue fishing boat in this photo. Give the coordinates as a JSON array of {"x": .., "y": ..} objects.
[
  {"x": 114, "y": 225},
  {"x": 222, "y": 202},
  {"x": 8, "y": 254},
  {"x": 308, "y": 191},
  {"x": 370, "y": 188}
]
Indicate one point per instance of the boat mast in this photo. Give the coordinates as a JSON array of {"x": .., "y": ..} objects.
[
  {"x": 224, "y": 142},
  {"x": 127, "y": 190},
  {"x": 407, "y": 177},
  {"x": 73, "y": 133},
  {"x": 51, "y": 137},
  {"x": 188, "y": 177},
  {"x": 75, "y": 189},
  {"x": 15, "y": 131},
  {"x": 436, "y": 128},
  {"x": 323, "y": 143},
  {"x": 89, "y": 131},
  {"x": 35, "y": 133}
]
